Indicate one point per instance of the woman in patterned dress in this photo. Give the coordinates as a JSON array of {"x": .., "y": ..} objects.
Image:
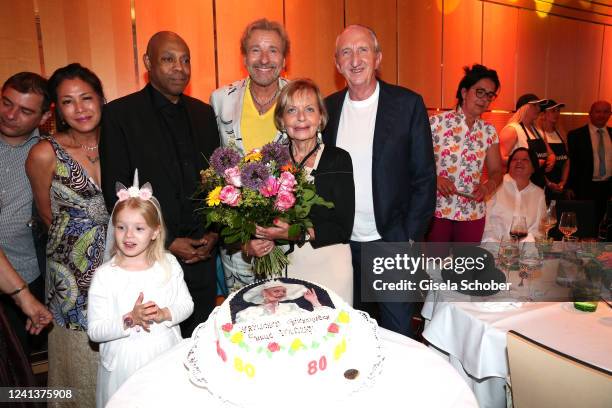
[
  {"x": 463, "y": 143},
  {"x": 64, "y": 172}
]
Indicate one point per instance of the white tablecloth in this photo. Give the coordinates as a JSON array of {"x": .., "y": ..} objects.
[
  {"x": 474, "y": 339},
  {"x": 412, "y": 376}
]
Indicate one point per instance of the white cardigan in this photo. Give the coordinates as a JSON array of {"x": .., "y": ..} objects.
[{"x": 112, "y": 295}]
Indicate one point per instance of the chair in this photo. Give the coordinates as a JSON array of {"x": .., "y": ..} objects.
[
  {"x": 541, "y": 377},
  {"x": 585, "y": 216}
]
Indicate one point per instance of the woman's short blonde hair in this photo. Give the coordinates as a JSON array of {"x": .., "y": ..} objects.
[{"x": 286, "y": 96}]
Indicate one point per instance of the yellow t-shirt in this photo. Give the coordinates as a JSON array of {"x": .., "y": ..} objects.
[{"x": 256, "y": 130}]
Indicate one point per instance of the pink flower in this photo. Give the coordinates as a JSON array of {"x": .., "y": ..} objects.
[
  {"x": 227, "y": 327},
  {"x": 284, "y": 200},
  {"x": 270, "y": 187},
  {"x": 123, "y": 194},
  {"x": 145, "y": 194},
  {"x": 273, "y": 347},
  {"x": 230, "y": 195},
  {"x": 287, "y": 181},
  {"x": 232, "y": 176},
  {"x": 333, "y": 328}
]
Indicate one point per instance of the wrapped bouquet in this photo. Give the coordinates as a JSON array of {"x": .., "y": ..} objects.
[{"x": 242, "y": 191}]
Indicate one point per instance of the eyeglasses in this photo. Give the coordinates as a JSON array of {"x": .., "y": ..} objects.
[{"x": 481, "y": 93}]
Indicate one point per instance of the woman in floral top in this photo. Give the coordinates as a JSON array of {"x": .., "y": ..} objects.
[{"x": 463, "y": 143}]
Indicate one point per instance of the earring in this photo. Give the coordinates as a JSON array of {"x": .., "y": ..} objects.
[{"x": 319, "y": 137}]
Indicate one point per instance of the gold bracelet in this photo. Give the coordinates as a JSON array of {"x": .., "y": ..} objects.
[{"x": 16, "y": 291}]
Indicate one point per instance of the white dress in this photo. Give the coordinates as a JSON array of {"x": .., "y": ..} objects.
[
  {"x": 112, "y": 294},
  {"x": 331, "y": 265}
]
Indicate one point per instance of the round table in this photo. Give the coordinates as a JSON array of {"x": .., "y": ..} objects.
[{"x": 412, "y": 376}]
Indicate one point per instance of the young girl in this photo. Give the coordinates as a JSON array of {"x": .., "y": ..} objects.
[{"x": 138, "y": 298}]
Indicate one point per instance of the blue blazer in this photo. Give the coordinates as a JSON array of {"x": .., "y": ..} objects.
[{"x": 403, "y": 164}]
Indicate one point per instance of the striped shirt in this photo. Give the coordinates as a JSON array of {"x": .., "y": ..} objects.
[{"x": 16, "y": 238}]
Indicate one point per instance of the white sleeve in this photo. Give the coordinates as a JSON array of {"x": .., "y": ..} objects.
[
  {"x": 540, "y": 210},
  {"x": 181, "y": 305},
  {"x": 104, "y": 324}
]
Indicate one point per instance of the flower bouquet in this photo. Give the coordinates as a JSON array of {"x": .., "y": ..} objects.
[{"x": 242, "y": 191}]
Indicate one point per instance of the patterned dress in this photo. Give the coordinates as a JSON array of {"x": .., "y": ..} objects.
[{"x": 76, "y": 240}]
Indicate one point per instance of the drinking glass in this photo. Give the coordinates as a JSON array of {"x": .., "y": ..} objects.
[
  {"x": 568, "y": 225},
  {"x": 518, "y": 229},
  {"x": 508, "y": 254},
  {"x": 530, "y": 269},
  {"x": 549, "y": 220}
]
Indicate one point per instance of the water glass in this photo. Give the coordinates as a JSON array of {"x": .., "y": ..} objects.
[
  {"x": 508, "y": 253},
  {"x": 530, "y": 269}
]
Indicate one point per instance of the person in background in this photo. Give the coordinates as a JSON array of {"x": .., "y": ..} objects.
[
  {"x": 168, "y": 137},
  {"x": 245, "y": 117},
  {"x": 23, "y": 109},
  {"x": 516, "y": 196},
  {"x": 548, "y": 125},
  {"x": 15, "y": 369},
  {"x": 590, "y": 151},
  {"x": 386, "y": 131},
  {"x": 64, "y": 172},
  {"x": 521, "y": 132},
  {"x": 463, "y": 144}
]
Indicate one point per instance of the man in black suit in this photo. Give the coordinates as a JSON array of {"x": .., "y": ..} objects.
[
  {"x": 386, "y": 130},
  {"x": 167, "y": 135},
  {"x": 590, "y": 153}
]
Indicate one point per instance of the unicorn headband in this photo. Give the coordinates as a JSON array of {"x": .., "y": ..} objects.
[{"x": 144, "y": 193}]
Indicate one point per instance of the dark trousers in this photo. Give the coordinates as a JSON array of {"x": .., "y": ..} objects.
[
  {"x": 18, "y": 320},
  {"x": 201, "y": 280},
  {"x": 394, "y": 316},
  {"x": 598, "y": 191}
]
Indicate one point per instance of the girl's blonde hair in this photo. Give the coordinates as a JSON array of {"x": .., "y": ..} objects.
[{"x": 151, "y": 213}]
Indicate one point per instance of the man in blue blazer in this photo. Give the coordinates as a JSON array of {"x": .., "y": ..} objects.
[{"x": 386, "y": 130}]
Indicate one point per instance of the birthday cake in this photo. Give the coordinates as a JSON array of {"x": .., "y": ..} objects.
[{"x": 292, "y": 338}]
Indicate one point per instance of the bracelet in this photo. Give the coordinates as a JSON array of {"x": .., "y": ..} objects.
[{"x": 16, "y": 291}]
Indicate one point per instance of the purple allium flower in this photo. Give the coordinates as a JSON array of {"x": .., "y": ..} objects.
[
  {"x": 277, "y": 152},
  {"x": 254, "y": 175},
  {"x": 223, "y": 158}
]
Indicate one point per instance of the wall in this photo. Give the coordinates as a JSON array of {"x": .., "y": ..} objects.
[{"x": 557, "y": 49}]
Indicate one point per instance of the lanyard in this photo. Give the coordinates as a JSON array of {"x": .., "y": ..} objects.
[{"x": 299, "y": 166}]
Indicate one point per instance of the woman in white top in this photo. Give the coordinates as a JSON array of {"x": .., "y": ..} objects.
[
  {"x": 516, "y": 196},
  {"x": 521, "y": 132}
]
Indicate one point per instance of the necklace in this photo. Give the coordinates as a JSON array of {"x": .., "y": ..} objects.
[
  {"x": 301, "y": 164},
  {"x": 89, "y": 148},
  {"x": 264, "y": 103},
  {"x": 92, "y": 160}
]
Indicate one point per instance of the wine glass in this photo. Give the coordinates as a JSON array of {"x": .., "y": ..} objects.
[
  {"x": 568, "y": 225},
  {"x": 518, "y": 229},
  {"x": 530, "y": 268},
  {"x": 549, "y": 220}
]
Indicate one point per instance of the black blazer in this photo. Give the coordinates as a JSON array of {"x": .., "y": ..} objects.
[
  {"x": 403, "y": 165},
  {"x": 132, "y": 138},
  {"x": 580, "y": 150},
  {"x": 334, "y": 182}
]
